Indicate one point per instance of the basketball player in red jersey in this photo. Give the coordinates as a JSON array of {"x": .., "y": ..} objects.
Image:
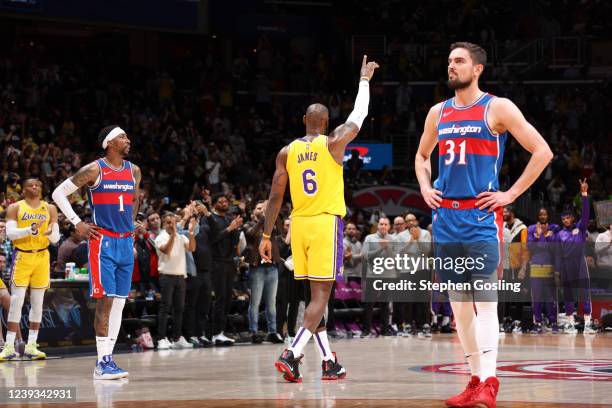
[
  {"x": 112, "y": 187},
  {"x": 470, "y": 130}
]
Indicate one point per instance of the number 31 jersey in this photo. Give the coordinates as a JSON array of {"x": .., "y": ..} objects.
[
  {"x": 112, "y": 196},
  {"x": 471, "y": 154},
  {"x": 315, "y": 179}
]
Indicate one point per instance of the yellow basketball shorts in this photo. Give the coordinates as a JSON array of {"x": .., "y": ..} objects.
[
  {"x": 316, "y": 247},
  {"x": 31, "y": 269}
]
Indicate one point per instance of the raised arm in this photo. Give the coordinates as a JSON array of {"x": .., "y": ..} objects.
[
  {"x": 86, "y": 175},
  {"x": 506, "y": 116},
  {"x": 422, "y": 161},
  {"x": 583, "y": 223},
  {"x": 345, "y": 133},
  {"x": 275, "y": 201}
]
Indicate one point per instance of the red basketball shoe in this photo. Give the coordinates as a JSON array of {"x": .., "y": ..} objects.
[
  {"x": 486, "y": 395},
  {"x": 462, "y": 399}
]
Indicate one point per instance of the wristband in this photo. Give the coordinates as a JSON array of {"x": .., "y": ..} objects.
[
  {"x": 364, "y": 78},
  {"x": 266, "y": 236}
]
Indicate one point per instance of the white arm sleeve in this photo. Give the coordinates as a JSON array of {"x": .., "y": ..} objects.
[
  {"x": 55, "y": 236},
  {"x": 13, "y": 232},
  {"x": 360, "y": 110},
  {"x": 59, "y": 196}
]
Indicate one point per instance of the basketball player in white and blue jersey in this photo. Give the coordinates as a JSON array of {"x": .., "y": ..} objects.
[
  {"x": 470, "y": 130},
  {"x": 112, "y": 188}
]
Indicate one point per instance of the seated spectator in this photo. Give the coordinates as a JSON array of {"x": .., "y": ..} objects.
[{"x": 67, "y": 249}]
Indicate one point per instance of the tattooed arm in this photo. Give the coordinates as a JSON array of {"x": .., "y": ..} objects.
[
  {"x": 86, "y": 175},
  {"x": 275, "y": 201}
]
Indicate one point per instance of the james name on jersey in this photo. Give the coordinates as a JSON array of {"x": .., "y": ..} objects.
[{"x": 312, "y": 156}]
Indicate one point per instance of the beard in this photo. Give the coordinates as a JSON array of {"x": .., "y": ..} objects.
[{"x": 456, "y": 83}]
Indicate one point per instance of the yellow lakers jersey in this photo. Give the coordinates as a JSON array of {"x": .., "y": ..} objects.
[
  {"x": 315, "y": 179},
  {"x": 26, "y": 216}
]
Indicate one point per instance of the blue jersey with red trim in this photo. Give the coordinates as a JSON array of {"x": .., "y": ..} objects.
[
  {"x": 112, "y": 196},
  {"x": 471, "y": 154}
]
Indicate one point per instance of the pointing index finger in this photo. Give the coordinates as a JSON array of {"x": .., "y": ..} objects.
[{"x": 365, "y": 60}]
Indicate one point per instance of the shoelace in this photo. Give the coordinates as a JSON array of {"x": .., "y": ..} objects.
[
  {"x": 297, "y": 359},
  {"x": 113, "y": 365},
  {"x": 329, "y": 365},
  {"x": 471, "y": 385}
]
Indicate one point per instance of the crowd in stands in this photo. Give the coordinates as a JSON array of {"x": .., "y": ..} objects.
[{"x": 199, "y": 141}]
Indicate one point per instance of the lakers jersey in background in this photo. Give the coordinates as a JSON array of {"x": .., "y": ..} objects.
[
  {"x": 26, "y": 216},
  {"x": 31, "y": 265},
  {"x": 315, "y": 179}
]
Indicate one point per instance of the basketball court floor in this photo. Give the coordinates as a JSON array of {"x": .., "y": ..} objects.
[{"x": 535, "y": 371}]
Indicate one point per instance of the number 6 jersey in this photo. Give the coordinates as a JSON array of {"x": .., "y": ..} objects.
[
  {"x": 112, "y": 196},
  {"x": 315, "y": 179},
  {"x": 471, "y": 154}
]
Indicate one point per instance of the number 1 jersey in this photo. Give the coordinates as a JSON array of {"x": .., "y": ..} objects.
[
  {"x": 112, "y": 196},
  {"x": 471, "y": 154},
  {"x": 315, "y": 179}
]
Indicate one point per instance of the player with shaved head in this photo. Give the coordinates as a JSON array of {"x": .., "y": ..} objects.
[{"x": 313, "y": 167}]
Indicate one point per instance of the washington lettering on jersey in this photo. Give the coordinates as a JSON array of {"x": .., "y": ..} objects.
[
  {"x": 112, "y": 196},
  {"x": 462, "y": 130},
  {"x": 470, "y": 153},
  {"x": 117, "y": 186}
]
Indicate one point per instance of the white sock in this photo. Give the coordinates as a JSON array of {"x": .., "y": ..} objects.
[
  {"x": 465, "y": 320},
  {"x": 300, "y": 341},
  {"x": 101, "y": 346},
  {"x": 10, "y": 338},
  {"x": 487, "y": 336},
  {"x": 322, "y": 344},
  {"x": 445, "y": 320},
  {"x": 474, "y": 363},
  {"x": 114, "y": 323},
  {"x": 110, "y": 345},
  {"x": 32, "y": 336},
  {"x": 570, "y": 320},
  {"x": 587, "y": 320}
]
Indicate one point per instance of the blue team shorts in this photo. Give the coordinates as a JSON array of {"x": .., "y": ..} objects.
[
  {"x": 111, "y": 263},
  {"x": 464, "y": 234}
]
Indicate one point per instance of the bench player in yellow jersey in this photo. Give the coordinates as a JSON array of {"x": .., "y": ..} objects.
[
  {"x": 313, "y": 167},
  {"x": 31, "y": 225}
]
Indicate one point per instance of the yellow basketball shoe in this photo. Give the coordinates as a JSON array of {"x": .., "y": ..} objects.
[
  {"x": 33, "y": 353},
  {"x": 8, "y": 353}
]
